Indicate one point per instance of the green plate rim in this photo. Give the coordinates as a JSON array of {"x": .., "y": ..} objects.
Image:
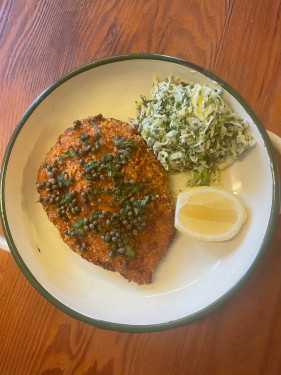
[{"x": 199, "y": 314}]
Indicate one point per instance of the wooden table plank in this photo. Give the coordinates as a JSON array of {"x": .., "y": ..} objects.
[{"x": 241, "y": 42}]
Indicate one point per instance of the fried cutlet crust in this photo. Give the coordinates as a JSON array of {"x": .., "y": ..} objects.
[{"x": 152, "y": 242}]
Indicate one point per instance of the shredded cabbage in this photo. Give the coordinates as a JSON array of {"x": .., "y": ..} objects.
[{"x": 190, "y": 128}]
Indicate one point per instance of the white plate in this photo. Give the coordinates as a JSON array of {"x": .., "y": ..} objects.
[{"x": 195, "y": 277}]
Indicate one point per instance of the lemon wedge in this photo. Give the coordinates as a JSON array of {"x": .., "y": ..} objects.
[{"x": 209, "y": 214}]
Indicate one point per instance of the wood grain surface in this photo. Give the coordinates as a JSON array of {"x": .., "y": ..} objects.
[{"x": 239, "y": 40}]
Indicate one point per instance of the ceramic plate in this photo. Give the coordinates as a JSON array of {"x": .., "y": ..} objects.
[{"x": 195, "y": 277}]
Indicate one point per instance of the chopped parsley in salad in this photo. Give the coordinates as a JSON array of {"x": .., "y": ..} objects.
[{"x": 191, "y": 128}]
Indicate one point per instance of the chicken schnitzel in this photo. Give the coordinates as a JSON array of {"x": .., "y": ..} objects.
[{"x": 109, "y": 197}]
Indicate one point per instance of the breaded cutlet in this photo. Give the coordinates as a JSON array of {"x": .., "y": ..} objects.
[{"x": 108, "y": 196}]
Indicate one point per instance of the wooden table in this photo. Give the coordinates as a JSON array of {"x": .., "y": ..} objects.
[{"x": 238, "y": 40}]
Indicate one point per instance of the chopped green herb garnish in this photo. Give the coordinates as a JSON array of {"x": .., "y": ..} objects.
[
  {"x": 66, "y": 198},
  {"x": 121, "y": 191},
  {"x": 79, "y": 232},
  {"x": 96, "y": 127},
  {"x": 96, "y": 212},
  {"x": 92, "y": 164},
  {"x": 121, "y": 142},
  {"x": 140, "y": 204},
  {"x": 135, "y": 188},
  {"x": 200, "y": 179},
  {"x": 125, "y": 152},
  {"x": 112, "y": 170},
  {"x": 94, "y": 190},
  {"x": 129, "y": 251},
  {"x": 78, "y": 224},
  {"x": 75, "y": 210},
  {"x": 61, "y": 181},
  {"x": 70, "y": 152}
]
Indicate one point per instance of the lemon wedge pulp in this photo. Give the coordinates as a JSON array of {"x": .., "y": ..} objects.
[{"x": 209, "y": 214}]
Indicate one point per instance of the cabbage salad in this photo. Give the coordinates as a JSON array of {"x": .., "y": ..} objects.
[{"x": 191, "y": 128}]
